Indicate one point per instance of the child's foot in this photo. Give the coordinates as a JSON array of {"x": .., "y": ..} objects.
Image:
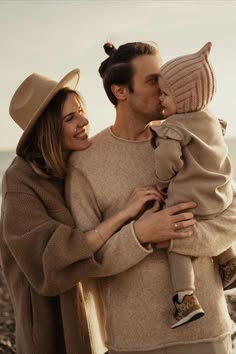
[
  {"x": 187, "y": 311},
  {"x": 228, "y": 274}
]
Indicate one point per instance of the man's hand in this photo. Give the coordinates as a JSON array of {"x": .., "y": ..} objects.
[{"x": 166, "y": 224}]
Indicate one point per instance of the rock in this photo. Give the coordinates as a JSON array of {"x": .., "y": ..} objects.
[{"x": 7, "y": 323}]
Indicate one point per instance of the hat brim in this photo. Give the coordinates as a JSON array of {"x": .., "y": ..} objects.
[{"x": 70, "y": 80}]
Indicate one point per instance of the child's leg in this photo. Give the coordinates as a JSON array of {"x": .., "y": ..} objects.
[
  {"x": 186, "y": 303},
  {"x": 227, "y": 268},
  {"x": 182, "y": 274}
]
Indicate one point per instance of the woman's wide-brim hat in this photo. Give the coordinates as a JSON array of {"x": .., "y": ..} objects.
[{"x": 33, "y": 96}]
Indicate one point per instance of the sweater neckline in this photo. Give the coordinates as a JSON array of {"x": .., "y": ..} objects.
[{"x": 126, "y": 140}]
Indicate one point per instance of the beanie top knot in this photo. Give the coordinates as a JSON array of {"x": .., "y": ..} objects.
[{"x": 191, "y": 80}]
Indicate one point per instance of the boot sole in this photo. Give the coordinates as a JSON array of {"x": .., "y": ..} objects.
[{"x": 192, "y": 317}]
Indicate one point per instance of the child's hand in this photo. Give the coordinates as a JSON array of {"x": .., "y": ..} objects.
[{"x": 140, "y": 197}]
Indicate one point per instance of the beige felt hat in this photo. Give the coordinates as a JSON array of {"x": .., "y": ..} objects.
[
  {"x": 32, "y": 97},
  {"x": 191, "y": 80}
]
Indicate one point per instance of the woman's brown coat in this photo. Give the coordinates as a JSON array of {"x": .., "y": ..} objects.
[{"x": 43, "y": 258}]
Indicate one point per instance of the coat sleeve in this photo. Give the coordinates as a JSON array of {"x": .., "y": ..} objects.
[
  {"x": 210, "y": 237},
  {"x": 168, "y": 161},
  {"x": 52, "y": 255},
  {"x": 168, "y": 153},
  {"x": 122, "y": 250}
]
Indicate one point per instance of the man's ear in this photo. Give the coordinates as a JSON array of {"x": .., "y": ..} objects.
[{"x": 119, "y": 91}]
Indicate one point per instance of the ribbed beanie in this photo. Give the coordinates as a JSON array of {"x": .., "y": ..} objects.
[{"x": 191, "y": 80}]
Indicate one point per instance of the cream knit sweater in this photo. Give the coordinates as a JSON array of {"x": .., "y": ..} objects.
[{"x": 132, "y": 290}]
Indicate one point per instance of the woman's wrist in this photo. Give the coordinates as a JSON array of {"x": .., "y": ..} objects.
[{"x": 123, "y": 216}]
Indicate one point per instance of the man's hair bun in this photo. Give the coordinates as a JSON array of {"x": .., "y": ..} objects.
[{"x": 109, "y": 48}]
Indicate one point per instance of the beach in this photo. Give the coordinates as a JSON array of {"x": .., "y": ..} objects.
[{"x": 7, "y": 324}]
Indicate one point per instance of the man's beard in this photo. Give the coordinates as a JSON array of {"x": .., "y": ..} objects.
[{"x": 157, "y": 115}]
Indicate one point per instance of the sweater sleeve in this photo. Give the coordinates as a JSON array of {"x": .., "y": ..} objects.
[
  {"x": 210, "y": 237},
  {"x": 52, "y": 255},
  {"x": 122, "y": 250}
]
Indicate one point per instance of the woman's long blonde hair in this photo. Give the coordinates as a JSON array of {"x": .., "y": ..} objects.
[{"x": 43, "y": 147}]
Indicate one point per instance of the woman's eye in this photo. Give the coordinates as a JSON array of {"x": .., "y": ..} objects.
[{"x": 69, "y": 118}]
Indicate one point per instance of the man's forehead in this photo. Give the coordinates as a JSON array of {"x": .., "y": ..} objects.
[{"x": 147, "y": 64}]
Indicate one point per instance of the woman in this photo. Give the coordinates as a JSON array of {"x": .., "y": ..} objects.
[{"x": 44, "y": 255}]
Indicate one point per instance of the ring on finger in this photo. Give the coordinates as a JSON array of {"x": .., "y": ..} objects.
[{"x": 176, "y": 225}]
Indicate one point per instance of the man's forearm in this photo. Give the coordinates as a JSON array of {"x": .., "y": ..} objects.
[{"x": 211, "y": 237}]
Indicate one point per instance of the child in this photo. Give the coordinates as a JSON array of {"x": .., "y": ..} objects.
[{"x": 191, "y": 162}]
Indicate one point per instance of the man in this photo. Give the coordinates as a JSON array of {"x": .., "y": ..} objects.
[{"x": 131, "y": 292}]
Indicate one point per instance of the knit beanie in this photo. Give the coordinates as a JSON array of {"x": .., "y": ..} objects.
[{"x": 191, "y": 80}]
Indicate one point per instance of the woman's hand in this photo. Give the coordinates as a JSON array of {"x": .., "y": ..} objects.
[
  {"x": 162, "y": 244},
  {"x": 166, "y": 224},
  {"x": 139, "y": 198}
]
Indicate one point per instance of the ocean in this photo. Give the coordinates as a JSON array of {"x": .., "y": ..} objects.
[{"x": 5, "y": 159}]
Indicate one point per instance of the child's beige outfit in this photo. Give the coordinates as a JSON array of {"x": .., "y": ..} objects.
[{"x": 191, "y": 158}]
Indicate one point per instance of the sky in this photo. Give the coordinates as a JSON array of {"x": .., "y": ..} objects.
[{"x": 54, "y": 37}]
